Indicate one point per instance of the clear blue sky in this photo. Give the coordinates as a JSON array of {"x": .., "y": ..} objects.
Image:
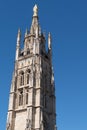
[{"x": 67, "y": 21}]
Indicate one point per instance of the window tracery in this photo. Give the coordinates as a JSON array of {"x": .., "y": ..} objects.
[{"x": 21, "y": 78}]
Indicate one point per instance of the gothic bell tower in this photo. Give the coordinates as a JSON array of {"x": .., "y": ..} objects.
[{"x": 32, "y": 93}]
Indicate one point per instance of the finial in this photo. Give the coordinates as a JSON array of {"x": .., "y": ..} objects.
[
  {"x": 49, "y": 40},
  {"x": 35, "y": 10}
]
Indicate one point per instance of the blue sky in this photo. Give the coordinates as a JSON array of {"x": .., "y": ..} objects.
[{"x": 67, "y": 21}]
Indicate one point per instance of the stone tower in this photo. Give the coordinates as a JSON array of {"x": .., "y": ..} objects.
[{"x": 32, "y": 93}]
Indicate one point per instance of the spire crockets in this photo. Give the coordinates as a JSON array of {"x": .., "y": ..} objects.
[{"x": 18, "y": 44}]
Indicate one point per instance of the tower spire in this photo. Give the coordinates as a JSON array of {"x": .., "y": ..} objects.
[{"x": 35, "y": 28}]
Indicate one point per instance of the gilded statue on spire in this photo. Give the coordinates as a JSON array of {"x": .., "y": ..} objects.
[{"x": 35, "y": 9}]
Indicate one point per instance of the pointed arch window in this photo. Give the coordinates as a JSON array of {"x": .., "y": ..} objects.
[
  {"x": 21, "y": 97},
  {"x": 21, "y": 78},
  {"x": 28, "y": 75}
]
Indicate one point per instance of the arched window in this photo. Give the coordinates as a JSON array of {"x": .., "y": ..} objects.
[
  {"x": 21, "y": 97},
  {"x": 21, "y": 78},
  {"x": 28, "y": 74}
]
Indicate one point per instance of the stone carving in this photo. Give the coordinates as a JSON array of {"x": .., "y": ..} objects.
[
  {"x": 28, "y": 124},
  {"x": 35, "y": 9},
  {"x": 28, "y": 120}
]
